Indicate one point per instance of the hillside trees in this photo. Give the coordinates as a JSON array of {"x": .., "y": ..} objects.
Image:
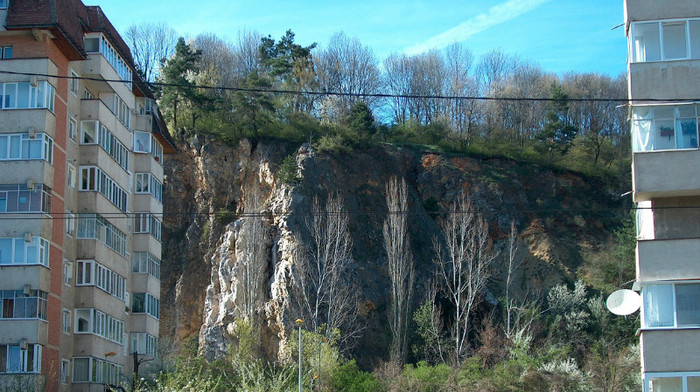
[
  {"x": 178, "y": 76},
  {"x": 463, "y": 269},
  {"x": 151, "y": 45},
  {"x": 401, "y": 268},
  {"x": 325, "y": 293},
  {"x": 346, "y": 66}
]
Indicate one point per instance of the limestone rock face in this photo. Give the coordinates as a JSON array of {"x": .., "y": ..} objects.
[{"x": 232, "y": 229}]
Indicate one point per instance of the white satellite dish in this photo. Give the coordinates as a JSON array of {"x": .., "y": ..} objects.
[{"x": 623, "y": 302}]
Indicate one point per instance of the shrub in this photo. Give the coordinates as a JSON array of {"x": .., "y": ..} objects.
[{"x": 348, "y": 378}]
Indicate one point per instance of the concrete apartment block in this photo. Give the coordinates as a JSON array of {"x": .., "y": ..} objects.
[
  {"x": 664, "y": 80},
  {"x": 81, "y": 174}
]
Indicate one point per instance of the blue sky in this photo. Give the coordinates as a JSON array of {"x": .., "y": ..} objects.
[{"x": 559, "y": 35}]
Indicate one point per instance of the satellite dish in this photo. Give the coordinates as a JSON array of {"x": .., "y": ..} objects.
[{"x": 623, "y": 302}]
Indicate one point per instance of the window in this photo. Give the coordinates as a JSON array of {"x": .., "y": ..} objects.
[
  {"x": 67, "y": 272},
  {"x": 144, "y": 344},
  {"x": 147, "y": 183},
  {"x": 146, "y": 263},
  {"x": 92, "y": 273},
  {"x": 3, "y": 3},
  {"x": 92, "y": 178},
  {"x": 96, "y": 371},
  {"x": 145, "y": 303},
  {"x": 88, "y": 95},
  {"x": 70, "y": 223},
  {"x": 122, "y": 111},
  {"x": 94, "y": 226},
  {"x": 671, "y": 382},
  {"x": 65, "y": 320},
  {"x": 22, "y": 198},
  {"x": 93, "y": 321},
  {"x": 20, "y": 358},
  {"x": 142, "y": 142},
  {"x": 665, "y": 127},
  {"x": 22, "y": 146},
  {"x": 665, "y": 40},
  {"x": 72, "y": 128},
  {"x": 5, "y": 51},
  {"x": 24, "y": 250},
  {"x": 98, "y": 43},
  {"x": 23, "y": 304},
  {"x": 71, "y": 176},
  {"x": 671, "y": 305},
  {"x": 26, "y": 95},
  {"x": 145, "y": 222},
  {"x": 93, "y": 132},
  {"x": 65, "y": 370},
  {"x": 74, "y": 84}
]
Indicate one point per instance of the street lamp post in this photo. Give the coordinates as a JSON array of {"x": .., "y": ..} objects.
[{"x": 299, "y": 323}]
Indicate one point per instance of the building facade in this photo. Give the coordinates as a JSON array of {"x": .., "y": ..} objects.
[
  {"x": 81, "y": 173},
  {"x": 664, "y": 93}
]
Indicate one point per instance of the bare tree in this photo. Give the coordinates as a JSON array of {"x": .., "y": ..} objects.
[
  {"x": 513, "y": 264},
  {"x": 326, "y": 294},
  {"x": 401, "y": 268},
  {"x": 151, "y": 44},
  {"x": 349, "y": 67},
  {"x": 397, "y": 78},
  {"x": 252, "y": 257},
  {"x": 463, "y": 264}
]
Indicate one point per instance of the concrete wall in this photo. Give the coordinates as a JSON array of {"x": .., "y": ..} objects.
[
  {"x": 664, "y": 174},
  {"x": 664, "y": 79},
  {"x": 668, "y": 259},
  {"x": 637, "y": 10},
  {"x": 670, "y": 350}
]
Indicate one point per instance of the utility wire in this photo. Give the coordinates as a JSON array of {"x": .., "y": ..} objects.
[
  {"x": 130, "y": 215},
  {"x": 363, "y": 95}
]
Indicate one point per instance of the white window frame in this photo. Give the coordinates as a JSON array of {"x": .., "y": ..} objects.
[
  {"x": 74, "y": 83},
  {"x": 632, "y": 55},
  {"x": 674, "y": 309},
  {"x": 23, "y": 358},
  {"x": 65, "y": 370},
  {"x": 67, "y": 272},
  {"x": 72, "y": 175},
  {"x": 72, "y": 128},
  {"x": 648, "y": 376},
  {"x": 66, "y": 320}
]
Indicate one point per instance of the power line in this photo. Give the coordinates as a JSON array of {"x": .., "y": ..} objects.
[
  {"x": 364, "y": 95},
  {"x": 130, "y": 215}
]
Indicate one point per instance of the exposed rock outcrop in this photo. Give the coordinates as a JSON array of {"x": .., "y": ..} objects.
[{"x": 215, "y": 191}]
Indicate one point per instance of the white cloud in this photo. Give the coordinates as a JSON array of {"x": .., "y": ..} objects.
[{"x": 495, "y": 15}]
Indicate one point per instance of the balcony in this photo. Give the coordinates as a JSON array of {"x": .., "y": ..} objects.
[
  {"x": 95, "y": 109},
  {"x": 671, "y": 259},
  {"x": 143, "y": 122},
  {"x": 96, "y": 66},
  {"x": 142, "y": 283},
  {"x": 675, "y": 79},
  {"x": 34, "y": 330},
  {"x": 142, "y": 322},
  {"x": 94, "y": 297},
  {"x": 670, "y": 350},
  {"x": 665, "y": 174},
  {"x": 20, "y": 120}
]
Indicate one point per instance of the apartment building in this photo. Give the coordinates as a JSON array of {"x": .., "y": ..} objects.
[
  {"x": 664, "y": 89},
  {"x": 81, "y": 173}
]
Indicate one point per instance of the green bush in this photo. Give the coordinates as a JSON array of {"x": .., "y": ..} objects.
[{"x": 348, "y": 378}]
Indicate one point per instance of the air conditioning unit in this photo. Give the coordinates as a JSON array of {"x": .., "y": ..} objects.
[
  {"x": 30, "y": 185},
  {"x": 27, "y": 290},
  {"x": 33, "y": 81},
  {"x": 32, "y": 132},
  {"x": 28, "y": 237},
  {"x": 23, "y": 344}
]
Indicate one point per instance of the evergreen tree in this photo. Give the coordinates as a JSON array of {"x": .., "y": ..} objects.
[
  {"x": 178, "y": 77},
  {"x": 557, "y": 134}
]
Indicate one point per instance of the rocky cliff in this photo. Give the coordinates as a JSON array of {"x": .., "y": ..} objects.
[{"x": 213, "y": 188}]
